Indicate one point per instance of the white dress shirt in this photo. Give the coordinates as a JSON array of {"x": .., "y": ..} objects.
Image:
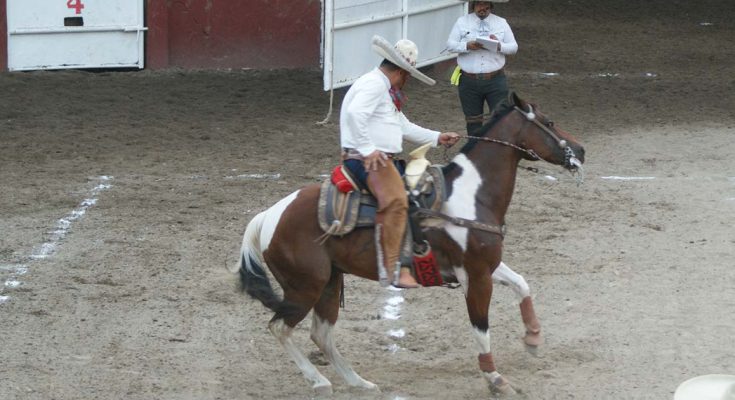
[
  {"x": 370, "y": 121},
  {"x": 467, "y": 29}
]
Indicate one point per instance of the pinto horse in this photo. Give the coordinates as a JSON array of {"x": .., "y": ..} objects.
[{"x": 479, "y": 181}]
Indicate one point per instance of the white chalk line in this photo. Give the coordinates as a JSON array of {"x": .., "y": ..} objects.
[
  {"x": 606, "y": 75},
  {"x": 391, "y": 312},
  {"x": 58, "y": 233},
  {"x": 628, "y": 178}
]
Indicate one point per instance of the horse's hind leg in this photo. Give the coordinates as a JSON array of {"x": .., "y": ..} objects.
[
  {"x": 282, "y": 332},
  {"x": 323, "y": 319}
]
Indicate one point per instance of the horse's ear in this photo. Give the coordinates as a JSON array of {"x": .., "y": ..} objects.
[{"x": 515, "y": 100}]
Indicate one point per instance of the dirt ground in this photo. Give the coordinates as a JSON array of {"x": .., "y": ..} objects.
[{"x": 141, "y": 183}]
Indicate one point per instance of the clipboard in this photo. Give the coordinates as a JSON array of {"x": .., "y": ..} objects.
[{"x": 488, "y": 44}]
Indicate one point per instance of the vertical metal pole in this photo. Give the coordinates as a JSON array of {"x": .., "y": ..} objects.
[{"x": 404, "y": 32}]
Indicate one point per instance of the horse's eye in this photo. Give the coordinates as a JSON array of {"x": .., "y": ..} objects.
[{"x": 550, "y": 123}]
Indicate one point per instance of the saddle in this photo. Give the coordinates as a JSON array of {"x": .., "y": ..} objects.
[
  {"x": 340, "y": 213},
  {"x": 343, "y": 206}
]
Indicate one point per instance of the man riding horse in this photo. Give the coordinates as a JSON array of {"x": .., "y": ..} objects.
[{"x": 372, "y": 129}]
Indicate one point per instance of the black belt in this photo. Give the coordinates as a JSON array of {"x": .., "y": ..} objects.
[{"x": 483, "y": 76}]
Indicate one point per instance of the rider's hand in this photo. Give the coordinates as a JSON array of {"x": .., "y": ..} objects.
[
  {"x": 448, "y": 139},
  {"x": 374, "y": 159}
]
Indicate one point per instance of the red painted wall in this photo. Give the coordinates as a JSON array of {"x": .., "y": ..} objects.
[
  {"x": 3, "y": 37},
  {"x": 233, "y": 34}
]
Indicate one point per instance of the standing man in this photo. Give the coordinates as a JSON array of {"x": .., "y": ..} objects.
[
  {"x": 482, "y": 40},
  {"x": 372, "y": 129}
]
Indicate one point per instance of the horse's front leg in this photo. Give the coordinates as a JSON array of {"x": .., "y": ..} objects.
[
  {"x": 479, "y": 289},
  {"x": 504, "y": 275}
]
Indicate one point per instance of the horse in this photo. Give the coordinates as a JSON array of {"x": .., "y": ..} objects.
[{"x": 467, "y": 241}]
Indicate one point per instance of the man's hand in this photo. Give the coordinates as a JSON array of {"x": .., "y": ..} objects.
[
  {"x": 493, "y": 37},
  {"x": 474, "y": 45},
  {"x": 374, "y": 159},
  {"x": 448, "y": 139}
]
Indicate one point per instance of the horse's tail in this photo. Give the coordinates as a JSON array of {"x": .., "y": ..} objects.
[{"x": 253, "y": 279}]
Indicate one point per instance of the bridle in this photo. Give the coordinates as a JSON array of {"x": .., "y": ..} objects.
[{"x": 571, "y": 162}]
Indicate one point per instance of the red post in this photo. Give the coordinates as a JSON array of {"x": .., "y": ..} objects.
[
  {"x": 3, "y": 37},
  {"x": 156, "y": 46}
]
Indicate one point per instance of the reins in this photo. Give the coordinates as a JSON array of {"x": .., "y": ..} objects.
[
  {"x": 530, "y": 152},
  {"x": 464, "y": 223},
  {"x": 500, "y": 229}
]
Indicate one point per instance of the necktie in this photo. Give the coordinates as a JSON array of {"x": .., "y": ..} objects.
[
  {"x": 484, "y": 28},
  {"x": 399, "y": 99}
]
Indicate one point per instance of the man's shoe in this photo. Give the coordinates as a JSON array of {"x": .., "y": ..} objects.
[{"x": 406, "y": 279}]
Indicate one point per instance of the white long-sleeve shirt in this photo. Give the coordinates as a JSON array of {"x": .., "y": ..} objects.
[
  {"x": 467, "y": 29},
  {"x": 370, "y": 121}
]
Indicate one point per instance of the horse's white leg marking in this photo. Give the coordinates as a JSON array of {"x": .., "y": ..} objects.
[
  {"x": 321, "y": 334},
  {"x": 506, "y": 276},
  {"x": 461, "y": 275},
  {"x": 493, "y": 377},
  {"x": 282, "y": 332},
  {"x": 483, "y": 340},
  {"x": 462, "y": 201}
]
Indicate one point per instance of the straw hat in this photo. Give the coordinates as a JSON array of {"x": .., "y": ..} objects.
[
  {"x": 403, "y": 55},
  {"x": 707, "y": 387}
]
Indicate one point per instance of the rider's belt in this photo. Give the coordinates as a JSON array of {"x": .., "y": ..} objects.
[
  {"x": 353, "y": 154},
  {"x": 483, "y": 76}
]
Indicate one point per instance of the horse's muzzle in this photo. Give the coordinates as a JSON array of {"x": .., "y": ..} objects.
[{"x": 573, "y": 160}]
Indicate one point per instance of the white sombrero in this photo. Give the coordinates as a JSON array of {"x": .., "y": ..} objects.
[
  {"x": 403, "y": 55},
  {"x": 707, "y": 387}
]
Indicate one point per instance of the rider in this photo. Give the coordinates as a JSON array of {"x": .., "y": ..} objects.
[{"x": 372, "y": 128}]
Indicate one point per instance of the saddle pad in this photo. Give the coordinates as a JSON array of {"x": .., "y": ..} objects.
[{"x": 340, "y": 213}]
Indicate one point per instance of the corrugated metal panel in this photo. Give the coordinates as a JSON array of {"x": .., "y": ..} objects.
[{"x": 349, "y": 26}]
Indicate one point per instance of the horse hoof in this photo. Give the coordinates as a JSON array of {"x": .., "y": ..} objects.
[
  {"x": 367, "y": 385},
  {"x": 322, "y": 391},
  {"x": 501, "y": 386},
  {"x": 503, "y": 389},
  {"x": 533, "y": 339}
]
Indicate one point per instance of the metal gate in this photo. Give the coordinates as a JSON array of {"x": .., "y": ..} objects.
[
  {"x": 58, "y": 34},
  {"x": 349, "y": 26}
]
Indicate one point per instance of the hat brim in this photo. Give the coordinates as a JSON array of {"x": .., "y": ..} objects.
[
  {"x": 707, "y": 387},
  {"x": 386, "y": 50}
]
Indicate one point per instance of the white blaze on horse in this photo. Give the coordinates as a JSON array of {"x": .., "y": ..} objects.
[{"x": 466, "y": 239}]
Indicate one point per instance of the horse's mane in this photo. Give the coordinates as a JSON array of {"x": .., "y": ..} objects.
[{"x": 500, "y": 111}]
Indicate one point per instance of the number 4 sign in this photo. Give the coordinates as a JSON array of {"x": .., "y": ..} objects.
[{"x": 76, "y": 5}]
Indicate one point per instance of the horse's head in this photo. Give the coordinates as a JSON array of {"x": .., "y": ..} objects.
[{"x": 540, "y": 136}]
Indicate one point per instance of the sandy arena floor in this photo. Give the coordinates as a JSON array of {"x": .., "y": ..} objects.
[{"x": 125, "y": 195}]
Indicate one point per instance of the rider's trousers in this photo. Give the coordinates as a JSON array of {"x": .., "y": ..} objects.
[{"x": 386, "y": 185}]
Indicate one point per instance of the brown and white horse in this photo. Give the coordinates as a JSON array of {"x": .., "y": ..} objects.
[{"x": 479, "y": 181}]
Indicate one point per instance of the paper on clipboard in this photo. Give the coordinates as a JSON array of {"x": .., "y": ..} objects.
[{"x": 488, "y": 43}]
